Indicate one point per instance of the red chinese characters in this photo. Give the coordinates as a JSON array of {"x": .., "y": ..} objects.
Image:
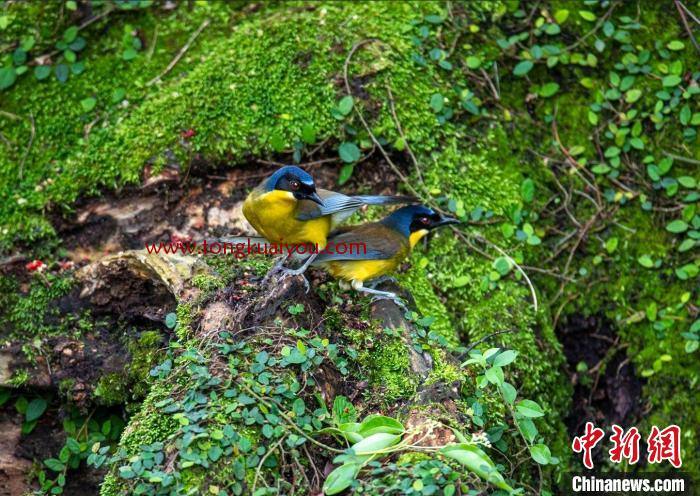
[
  {"x": 665, "y": 445},
  {"x": 626, "y": 445},
  {"x": 587, "y": 442}
]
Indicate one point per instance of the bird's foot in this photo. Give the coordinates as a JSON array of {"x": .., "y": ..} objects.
[
  {"x": 394, "y": 298},
  {"x": 376, "y": 282},
  {"x": 274, "y": 271},
  {"x": 285, "y": 273},
  {"x": 382, "y": 295}
]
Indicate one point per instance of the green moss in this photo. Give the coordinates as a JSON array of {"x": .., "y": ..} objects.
[
  {"x": 384, "y": 360},
  {"x": 19, "y": 378},
  {"x": 146, "y": 352},
  {"x": 34, "y": 313},
  {"x": 427, "y": 302},
  {"x": 112, "y": 389}
]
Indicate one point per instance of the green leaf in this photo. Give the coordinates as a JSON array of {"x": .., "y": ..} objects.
[
  {"x": 549, "y": 89},
  {"x": 88, "y": 104},
  {"x": 523, "y": 68},
  {"x": 170, "y": 320},
  {"x": 529, "y": 408},
  {"x": 343, "y": 410},
  {"x": 677, "y": 226},
  {"x": 61, "y": 71},
  {"x": 129, "y": 54},
  {"x": 350, "y": 431},
  {"x": 561, "y": 16},
  {"x": 477, "y": 461},
  {"x": 54, "y": 464},
  {"x": 35, "y": 409},
  {"x": 41, "y": 72},
  {"x": 687, "y": 182},
  {"x": 527, "y": 190},
  {"x": 374, "y": 424},
  {"x": 686, "y": 245},
  {"x": 73, "y": 445},
  {"x": 494, "y": 375},
  {"x": 460, "y": 282},
  {"x": 345, "y": 105},
  {"x": 505, "y": 358},
  {"x": 372, "y": 446},
  {"x": 118, "y": 95},
  {"x": 541, "y": 454},
  {"x": 349, "y": 152},
  {"x": 341, "y": 478},
  {"x": 528, "y": 429},
  {"x": 509, "y": 392},
  {"x": 501, "y": 265},
  {"x": 671, "y": 80},
  {"x": 611, "y": 245},
  {"x": 633, "y": 95},
  {"x": 437, "y": 102},
  {"x": 345, "y": 173},
  {"x": 675, "y": 45},
  {"x": 645, "y": 261},
  {"x": 587, "y": 15},
  {"x": 215, "y": 452},
  {"x": 8, "y": 75},
  {"x": 308, "y": 134},
  {"x": 685, "y": 115},
  {"x": 70, "y": 34},
  {"x": 473, "y": 62}
]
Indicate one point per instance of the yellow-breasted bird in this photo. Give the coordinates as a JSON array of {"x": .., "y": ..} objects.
[
  {"x": 287, "y": 208},
  {"x": 373, "y": 250}
]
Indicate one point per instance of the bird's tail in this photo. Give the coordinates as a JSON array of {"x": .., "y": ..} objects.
[{"x": 385, "y": 200}]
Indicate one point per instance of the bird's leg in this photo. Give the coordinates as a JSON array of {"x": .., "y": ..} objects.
[
  {"x": 376, "y": 282},
  {"x": 297, "y": 272},
  {"x": 276, "y": 268},
  {"x": 300, "y": 271},
  {"x": 379, "y": 295}
]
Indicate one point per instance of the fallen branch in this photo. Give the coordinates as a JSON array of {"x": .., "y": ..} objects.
[{"x": 179, "y": 55}]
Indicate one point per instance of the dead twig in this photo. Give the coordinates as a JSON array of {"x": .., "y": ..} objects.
[
  {"x": 681, "y": 11},
  {"x": 392, "y": 107},
  {"x": 482, "y": 340},
  {"x": 29, "y": 145},
  {"x": 179, "y": 55}
]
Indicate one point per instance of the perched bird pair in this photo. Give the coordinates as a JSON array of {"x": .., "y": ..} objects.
[{"x": 288, "y": 208}]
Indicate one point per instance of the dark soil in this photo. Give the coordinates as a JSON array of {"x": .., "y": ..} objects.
[{"x": 608, "y": 392}]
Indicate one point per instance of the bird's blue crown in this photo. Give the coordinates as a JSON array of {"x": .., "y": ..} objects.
[
  {"x": 292, "y": 170},
  {"x": 400, "y": 220}
]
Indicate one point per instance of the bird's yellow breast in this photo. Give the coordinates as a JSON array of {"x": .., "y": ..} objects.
[
  {"x": 361, "y": 270},
  {"x": 273, "y": 215}
]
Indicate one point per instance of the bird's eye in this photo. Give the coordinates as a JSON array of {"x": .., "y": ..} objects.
[
  {"x": 294, "y": 185},
  {"x": 424, "y": 220}
]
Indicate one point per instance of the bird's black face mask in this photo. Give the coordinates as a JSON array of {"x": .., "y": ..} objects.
[
  {"x": 430, "y": 221},
  {"x": 302, "y": 190}
]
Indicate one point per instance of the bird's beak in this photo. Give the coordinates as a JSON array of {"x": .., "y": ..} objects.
[
  {"x": 315, "y": 198},
  {"x": 447, "y": 220}
]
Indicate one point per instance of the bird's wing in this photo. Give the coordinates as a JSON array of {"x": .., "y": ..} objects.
[
  {"x": 342, "y": 206},
  {"x": 366, "y": 242}
]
